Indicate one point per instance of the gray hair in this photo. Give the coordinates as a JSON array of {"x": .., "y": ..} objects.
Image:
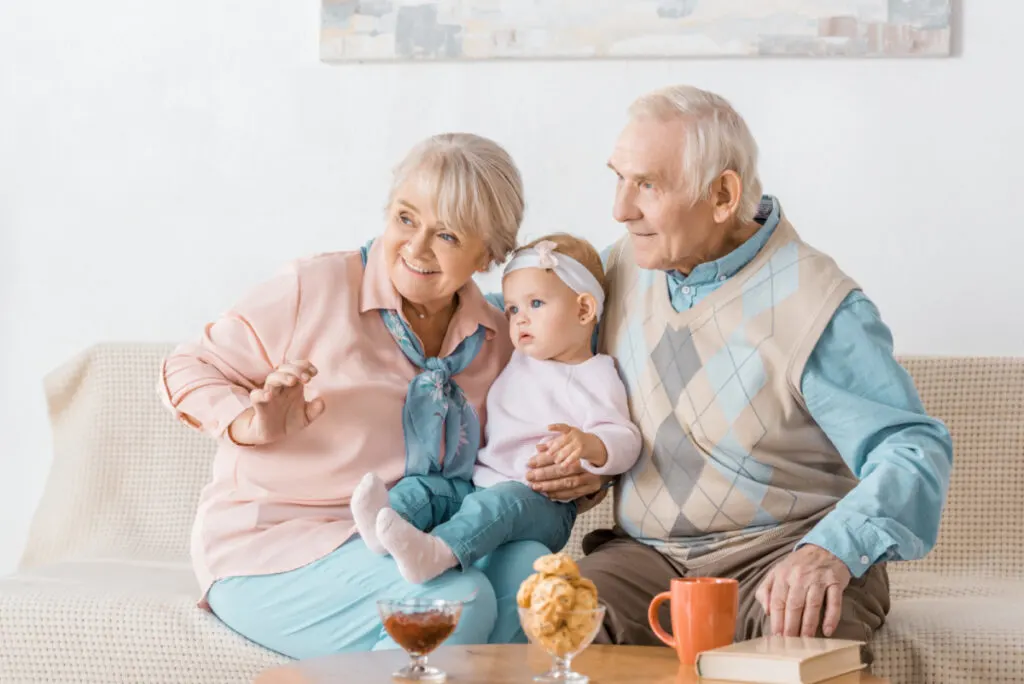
[
  {"x": 475, "y": 184},
  {"x": 717, "y": 140}
]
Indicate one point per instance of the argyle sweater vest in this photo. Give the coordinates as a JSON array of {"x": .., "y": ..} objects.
[{"x": 731, "y": 457}]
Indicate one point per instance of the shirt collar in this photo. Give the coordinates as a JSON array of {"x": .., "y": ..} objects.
[
  {"x": 729, "y": 265},
  {"x": 377, "y": 292}
]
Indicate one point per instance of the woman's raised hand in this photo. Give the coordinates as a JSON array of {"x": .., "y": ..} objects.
[{"x": 279, "y": 408}]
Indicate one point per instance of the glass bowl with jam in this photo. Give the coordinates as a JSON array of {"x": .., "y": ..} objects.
[{"x": 419, "y": 626}]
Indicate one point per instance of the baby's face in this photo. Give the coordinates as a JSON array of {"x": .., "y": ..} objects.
[{"x": 544, "y": 314}]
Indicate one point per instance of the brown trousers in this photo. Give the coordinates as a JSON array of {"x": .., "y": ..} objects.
[{"x": 629, "y": 574}]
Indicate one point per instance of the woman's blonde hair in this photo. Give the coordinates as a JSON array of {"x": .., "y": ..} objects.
[
  {"x": 577, "y": 248},
  {"x": 477, "y": 188}
]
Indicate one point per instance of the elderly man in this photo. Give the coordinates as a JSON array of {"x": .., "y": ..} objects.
[{"x": 784, "y": 446}]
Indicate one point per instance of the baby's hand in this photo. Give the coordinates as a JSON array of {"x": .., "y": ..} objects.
[{"x": 573, "y": 444}]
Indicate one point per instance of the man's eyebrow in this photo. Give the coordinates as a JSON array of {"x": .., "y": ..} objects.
[{"x": 640, "y": 177}]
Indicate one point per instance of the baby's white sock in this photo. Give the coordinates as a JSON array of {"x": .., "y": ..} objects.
[
  {"x": 420, "y": 556},
  {"x": 369, "y": 498}
]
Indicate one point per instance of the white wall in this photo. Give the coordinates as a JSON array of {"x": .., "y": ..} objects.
[{"x": 158, "y": 158}]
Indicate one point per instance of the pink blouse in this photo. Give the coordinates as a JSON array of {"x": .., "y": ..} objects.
[{"x": 278, "y": 507}]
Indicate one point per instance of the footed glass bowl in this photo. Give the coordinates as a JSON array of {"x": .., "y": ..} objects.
[
  {"x": 419, "y": 626},
  {"x": 563, "y": 636}
]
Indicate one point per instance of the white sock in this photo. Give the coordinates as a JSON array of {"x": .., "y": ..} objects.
[
  {"x": 369, "y": 498},
  {"x": 420, "y": 556}
]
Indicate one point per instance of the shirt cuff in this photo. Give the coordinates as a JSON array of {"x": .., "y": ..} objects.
[
  {"x": 853, "y": 539},
  {"x": 618, "y": 442},
  {"x": 591, "y": 468},
  {"x": 226, "y": 409}
]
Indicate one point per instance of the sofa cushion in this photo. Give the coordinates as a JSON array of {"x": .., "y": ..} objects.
[
  {"x": 972, "y": 634},
  {"x": 979, "y": 399},
  {"x": 117, "y": 621}
]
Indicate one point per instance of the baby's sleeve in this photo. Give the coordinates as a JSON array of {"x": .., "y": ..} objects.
[{"x": 607, "y": 416}]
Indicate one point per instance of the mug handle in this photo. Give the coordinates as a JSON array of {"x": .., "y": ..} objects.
[{"x": 652, "y": 618}]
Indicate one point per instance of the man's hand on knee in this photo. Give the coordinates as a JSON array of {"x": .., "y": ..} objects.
[{"x": 793, "y": 592}]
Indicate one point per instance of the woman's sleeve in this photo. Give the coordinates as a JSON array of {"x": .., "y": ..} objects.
[{"x": 206, "y": 383}]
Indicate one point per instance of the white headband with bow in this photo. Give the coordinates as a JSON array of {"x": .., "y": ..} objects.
[{"x": 574, "y": 274}]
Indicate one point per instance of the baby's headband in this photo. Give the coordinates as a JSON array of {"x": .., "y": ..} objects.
[{"x": 574, "y": 274}]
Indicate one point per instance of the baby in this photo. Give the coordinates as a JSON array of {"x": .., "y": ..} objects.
[{"x": 554, "y": 395}]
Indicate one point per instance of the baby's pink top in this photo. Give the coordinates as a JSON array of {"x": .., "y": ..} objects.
[
  {"x": 530, "y": 395},
  {"x": 278, "y": 507}
]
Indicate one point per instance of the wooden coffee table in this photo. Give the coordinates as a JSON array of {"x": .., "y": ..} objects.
[{"x": 497, "y": 665}]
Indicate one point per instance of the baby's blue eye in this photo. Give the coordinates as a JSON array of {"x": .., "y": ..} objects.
[
  {"x": 512, "y": 310},
  {"x": 536, "y": 304}
]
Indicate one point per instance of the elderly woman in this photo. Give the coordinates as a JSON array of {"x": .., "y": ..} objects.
[{"x": 372, "y": 360}]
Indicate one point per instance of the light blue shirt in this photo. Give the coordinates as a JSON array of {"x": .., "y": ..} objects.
[{"x": 867, "y": 405}]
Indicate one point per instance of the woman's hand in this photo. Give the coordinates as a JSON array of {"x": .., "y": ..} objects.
[
  {"x": 560, "y": 481},
  {"x": 279, "y": 408}
]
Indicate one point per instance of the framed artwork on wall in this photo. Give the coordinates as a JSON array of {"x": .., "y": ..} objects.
[{"x": 390, "y": 30}]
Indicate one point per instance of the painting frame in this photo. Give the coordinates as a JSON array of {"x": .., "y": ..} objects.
[{"x": 483, "y": 30}]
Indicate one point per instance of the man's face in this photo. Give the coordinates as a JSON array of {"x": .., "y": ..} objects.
[{"x": 652, "y": 201}]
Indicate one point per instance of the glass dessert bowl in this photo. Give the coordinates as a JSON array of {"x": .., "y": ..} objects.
[
  {"x": 419, "y": 626},
  {"x": 563, "y": 635}
]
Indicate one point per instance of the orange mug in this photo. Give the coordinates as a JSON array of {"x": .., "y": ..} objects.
[{"x": 703, "y": 611}]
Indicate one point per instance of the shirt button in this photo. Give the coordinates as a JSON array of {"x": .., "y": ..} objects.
[
  {"x": 864, "y": 560},
  {"x": 686, "y": 289},
  {"x": 721, "y": 279}
]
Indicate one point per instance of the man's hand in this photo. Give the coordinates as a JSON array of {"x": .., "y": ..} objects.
[
  {"x": 279, "y": 408},
  {"x": 560, "y": 482},
  {"x": 573, "y": 444},
  {"x": 794, "y": 591}
]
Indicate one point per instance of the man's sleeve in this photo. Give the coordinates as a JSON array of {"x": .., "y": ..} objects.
[{"x": 868, "y": 406}]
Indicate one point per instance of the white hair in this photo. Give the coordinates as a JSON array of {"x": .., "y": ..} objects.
[
  {"x": 476, "y": 187},
  {"x": 717, "y": 140}
]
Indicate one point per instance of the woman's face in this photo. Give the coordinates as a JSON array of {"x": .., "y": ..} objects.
[{"x": 427, "y": 260}]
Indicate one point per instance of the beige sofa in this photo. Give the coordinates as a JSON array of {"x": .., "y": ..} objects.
[{"x": 105, "y": 593}]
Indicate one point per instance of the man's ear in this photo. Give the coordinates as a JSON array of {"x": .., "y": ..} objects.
[
  {"x": 725, "y": 196},
  {"x": 587, "y": 308}
]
